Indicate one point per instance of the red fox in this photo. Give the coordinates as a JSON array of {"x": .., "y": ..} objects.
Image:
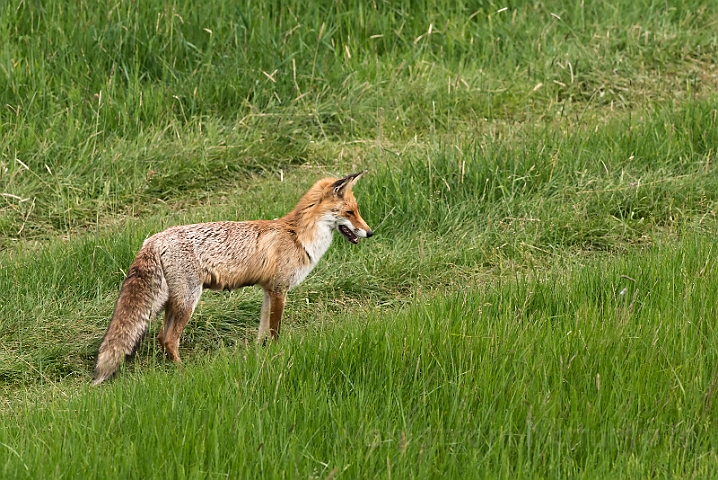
[{"x": 174, "y": 266}]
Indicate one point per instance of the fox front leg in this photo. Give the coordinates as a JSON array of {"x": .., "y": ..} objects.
[{"x": 271, "y": 319}]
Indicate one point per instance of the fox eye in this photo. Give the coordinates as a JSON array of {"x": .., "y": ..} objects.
[{"x": 350, "y": 212}]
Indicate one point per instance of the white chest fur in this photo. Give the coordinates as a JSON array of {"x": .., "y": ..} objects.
[{"x": 315, "y": 249}]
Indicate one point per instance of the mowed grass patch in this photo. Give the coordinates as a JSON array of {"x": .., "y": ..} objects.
[
  {"x": 447, "y": 215},
  {"x": 107, "y": 111},
  {"x": 605, "y": 368}
]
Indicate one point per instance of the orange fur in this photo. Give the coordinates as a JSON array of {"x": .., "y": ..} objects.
[{"x": 174, "y": 266}]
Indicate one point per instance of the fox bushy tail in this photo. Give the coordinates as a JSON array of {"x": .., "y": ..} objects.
[{"x": 140, "y": 298}]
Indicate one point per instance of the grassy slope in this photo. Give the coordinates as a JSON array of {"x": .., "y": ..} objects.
[
  {"x": 513, "y": 206},
  {"x": 521, "y": 162},
  {"x": 580, "y": 371}
]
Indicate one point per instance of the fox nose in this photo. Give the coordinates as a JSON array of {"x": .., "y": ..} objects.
[{"x": 369, "y": 233}]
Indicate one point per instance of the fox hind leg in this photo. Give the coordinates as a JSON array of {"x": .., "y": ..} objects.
[
  {"x": 178, "y": 313},
  {"x": 166, "y": 325}
]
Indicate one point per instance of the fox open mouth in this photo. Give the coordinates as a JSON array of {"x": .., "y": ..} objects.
[{"x": 348, "y": 234}]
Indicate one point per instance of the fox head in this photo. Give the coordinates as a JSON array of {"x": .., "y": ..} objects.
[
  {"x": 330, "y": 205},
  {"x": 344, "y": 209}
]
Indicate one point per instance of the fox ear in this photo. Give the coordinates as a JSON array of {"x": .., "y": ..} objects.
[{"x": 343, "y": 184}]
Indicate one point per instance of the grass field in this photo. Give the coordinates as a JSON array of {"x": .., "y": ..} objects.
[{"x": 539, "y": 299}]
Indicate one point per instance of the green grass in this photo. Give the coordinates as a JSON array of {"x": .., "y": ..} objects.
[
  {"x": 108, "y": 110},
  {"x": 510, "y": 202},
  {"x": 580, "y": 371},
  {"x": 537, "y": 302}
]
